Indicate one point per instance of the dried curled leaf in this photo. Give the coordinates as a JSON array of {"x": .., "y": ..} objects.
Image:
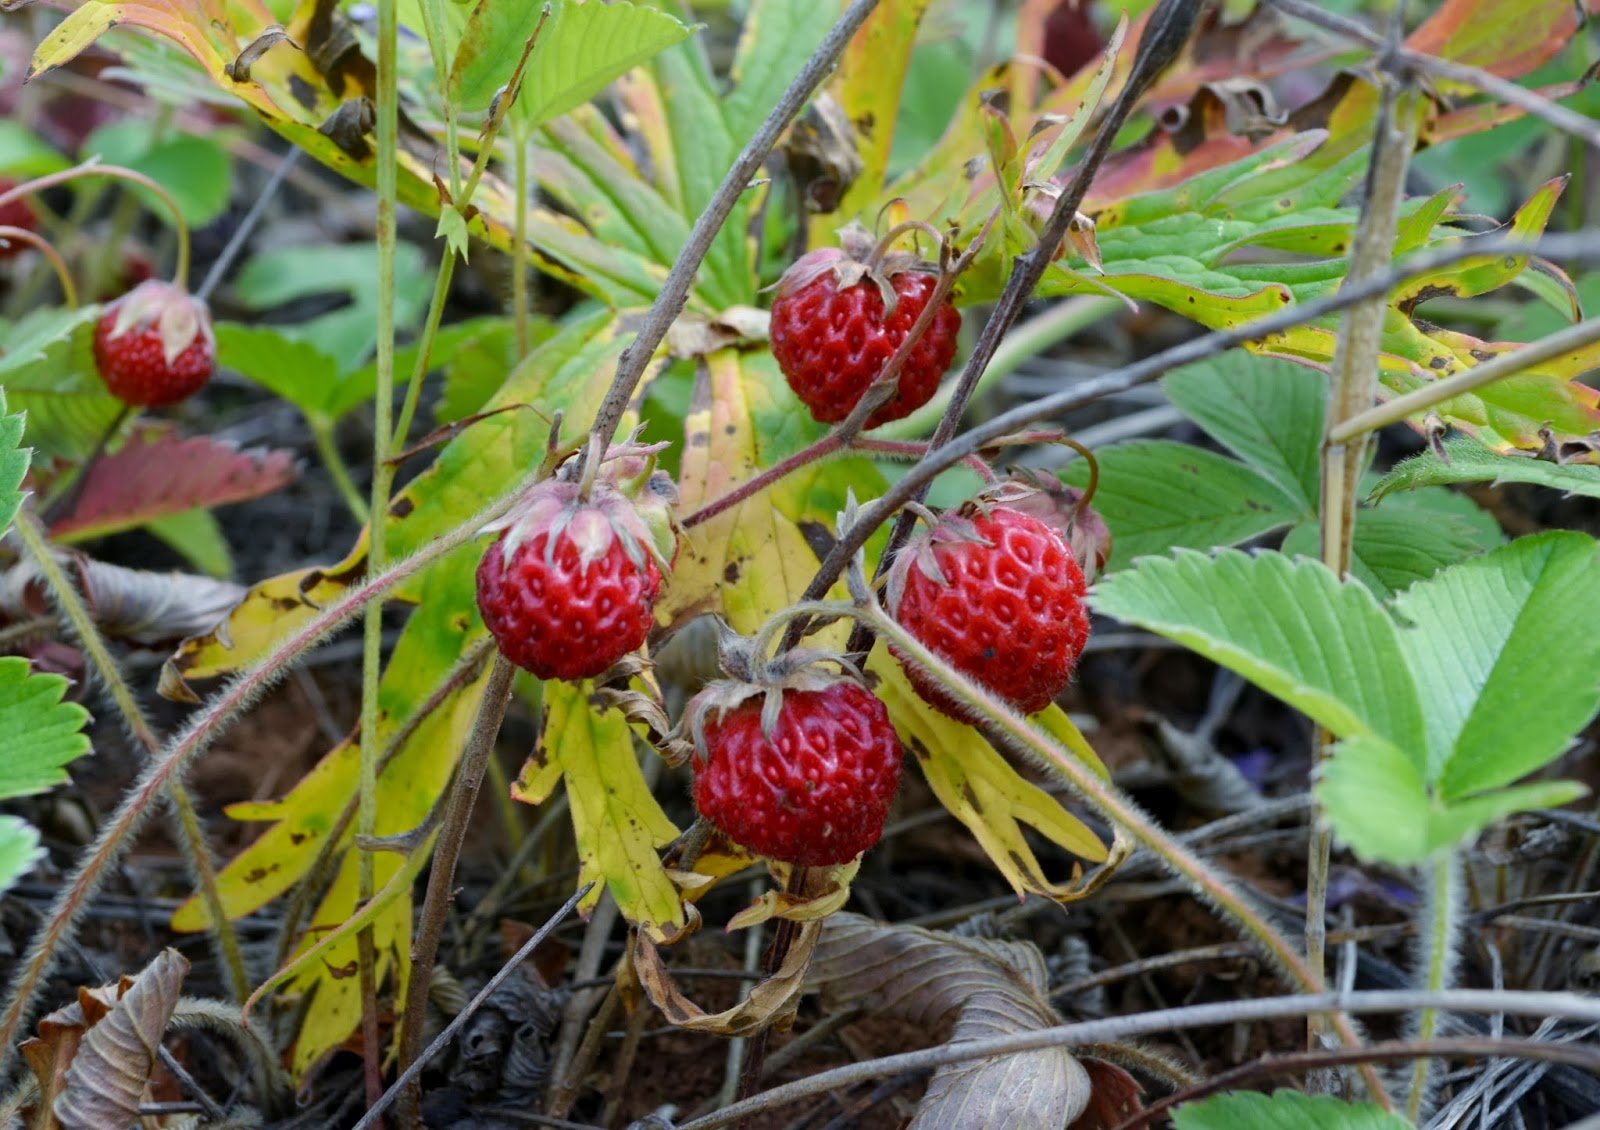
[
  {"x": 152, "y": 609},
  {"x": 92, "y": 1059},
  {"x": 972, "y": 987}
]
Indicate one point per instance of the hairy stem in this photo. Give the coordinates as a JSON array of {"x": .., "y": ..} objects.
[
  {"x": 674, "y": 291},
  {"x": 1111, "y": 804},
  {"x": 441, "y": 880},
  {"x": 1443, "y": 916},
  {"x": 190, "y": 834},
  {"x": 203, "y": 728},
  {"x": 338, "y": 470}
]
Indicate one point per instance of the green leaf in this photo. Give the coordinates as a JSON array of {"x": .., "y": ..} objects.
[
  {"x": 198, "y": 536},
  {"x": 452, "y": 229},
  {"x": 1285, "y": 1110},
  {"x": 582, "y": 50},
  {"x": 778, "y": 37},
  {"x": 42, "y": 732},
  {"x": 1506, "y": 652},
  {"x": 349, "y": 333},
  {"x": 1158, "y": 495},
  {"x": 1327, "y": 649},
  {"x": 617, "y": 822},
  {"x": 1378, "y": 803},
  {"x": 1468, "y": 461},
  {"x": 1267, "y": 412},
  {"x": 19, "y": 850},
  {"x": 47, "y": 369},
  {"x": 23, "y": 156},
  {"x": 195, "y": 170},
  {"x": 13, "y": 464},
  {"x": 1396, "y": 546},
  {"x": 296, "y": 370}
]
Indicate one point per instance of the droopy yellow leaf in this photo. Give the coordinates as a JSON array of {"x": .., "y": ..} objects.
[
  {"x": 754, "y": 559},
  {"x": 983, "y": 791},
  {"x": 615, "y": 819}
]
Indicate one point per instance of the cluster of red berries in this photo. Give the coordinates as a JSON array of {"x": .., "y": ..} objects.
[{"x": 794, "y": 757}]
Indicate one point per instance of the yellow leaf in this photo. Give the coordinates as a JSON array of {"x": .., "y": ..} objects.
[
  {"x": 616, "y": 821},
  {"x": 983, "y": 791}
]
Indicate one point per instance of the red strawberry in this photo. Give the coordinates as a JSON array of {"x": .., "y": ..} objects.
[
  {"x": 154, "y": 345},
  {"x": 997, "y": 593},
  {"x": 16, "y": 214},
  {"x": 838, "y": 319},
  {"x": 570, "y": 586},
  {"x": 799, "y": 765}
]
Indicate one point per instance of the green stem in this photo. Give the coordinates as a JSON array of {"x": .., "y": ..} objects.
[
  {"x": 433, "y": 26},
  {"x": 338, "y": 470},
  {"x": 1025, "y": 341},
  {"x": 519, "y": 245},
  {"x": 430, "y": 329},
  {"x": 191, "y": 836},
  {"x": 1444, "y": 892},
  {"x": 387, "y": 126}
]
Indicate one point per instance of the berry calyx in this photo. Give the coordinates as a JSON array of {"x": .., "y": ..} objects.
[
  {"x": 154, "y": 346},
  {"x": 16, "y": 213},
  {"x": 797, "y": 761},
  {"x": 840, "y": 315},
  {"x": 569, "y": 587},
  {"x": 997, "y": 593}
]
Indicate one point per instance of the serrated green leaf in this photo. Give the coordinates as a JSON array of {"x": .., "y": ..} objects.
[
  {"x": 1506, "y": 652},
  {"x": 452, "y": 228},
  {"x": 47, "y": 369},
  {"x": 42, "y": 732},
  {"x": 1158, "y": 495},
  {"x": 19, "y": 850},
  {"x": 14, "y": 460},
  {"x": 777, "y": 39},
  {"x": 1327, "y": 649},
  {"x": 296, "y": 370},
  {"x": 582, "y": 50},
  {"x": 618, "y": 823},
  {"x": 1285, "y": 1110},
  {"x": 1468, "y": 461},
  {"x": 1394, "y": 547},
  {"x": 1378, "y": 803},
  {"x": 1267, "y": 412}
]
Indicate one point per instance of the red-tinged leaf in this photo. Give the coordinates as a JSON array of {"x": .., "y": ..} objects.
[
  {"x": 1505, "y": 39},
  {"x": 1114, "y": 1096},
  {"x": 1468, "y": 120},
  {"x": 157, "y": 473}
]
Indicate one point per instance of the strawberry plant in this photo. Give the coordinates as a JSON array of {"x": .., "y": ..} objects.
[{"x": 663, "y": 338}]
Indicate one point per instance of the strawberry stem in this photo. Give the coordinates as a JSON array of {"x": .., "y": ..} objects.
[
  {"x": 48, "y": 250},
  {"x": 1094, "y": 473},
  {"x": 881, "y": 248},
  {"x": 91, "y": 168}
]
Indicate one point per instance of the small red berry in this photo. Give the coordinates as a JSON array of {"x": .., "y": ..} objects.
[
  {"x": 997, "y": 594},
  {"x": 569, "y": 588},
  {"x": 154, "y": 346},
  {"x": 17, "y": 213},
  {"x": 833, "y": 332},
  {"x": 803, "y": 775}
]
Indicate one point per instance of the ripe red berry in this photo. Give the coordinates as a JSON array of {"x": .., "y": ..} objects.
[
  {"x": 15, "y": 214},
  {"x": 997, "y": 594},
  {"x": 833, "y": 333},
  {"x": 809, "y": 783},
  {"x": 570, "y": 586},
  {"x": 154, "y": 346}
]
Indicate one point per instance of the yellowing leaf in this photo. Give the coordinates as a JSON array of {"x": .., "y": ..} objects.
[
  {"x": 983, "y": 791},
  {"x": 616, "y": 820},
  {"x": 753, "y": 559}
]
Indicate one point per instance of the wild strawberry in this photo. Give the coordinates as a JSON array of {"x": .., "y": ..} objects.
[
  {"x": 997, "y": 593},
  {"x": 154, "y": 346},
  {"x": 570, "y": 586},
  {"x": 838, "y": 318},
  {"x": 16, "y": 214},
  {"x": 795, "y": 761}
]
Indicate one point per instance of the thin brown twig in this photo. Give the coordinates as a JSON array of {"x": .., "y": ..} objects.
[{"x": 1483, "y": 1001}]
